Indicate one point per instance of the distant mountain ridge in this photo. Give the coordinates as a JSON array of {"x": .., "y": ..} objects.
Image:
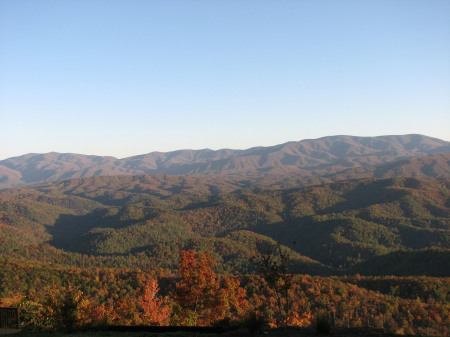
[{"x": 318, "y": 157}]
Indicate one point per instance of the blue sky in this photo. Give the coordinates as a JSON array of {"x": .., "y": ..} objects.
[{"x": 122, "y": 78}]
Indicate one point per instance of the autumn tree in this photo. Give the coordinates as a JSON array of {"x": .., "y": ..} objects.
[
  {"x": 231, "y": 299},
  {"x": 154, "y": 310},
  {"x": 196, "y": 292},
  {"x": 64, "y": 307},
  {"x": 126, "y": 312}
]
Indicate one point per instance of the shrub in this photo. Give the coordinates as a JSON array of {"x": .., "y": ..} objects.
[
  {"x": 254, "y": 323},
  {"x": 322, "y": 323}
]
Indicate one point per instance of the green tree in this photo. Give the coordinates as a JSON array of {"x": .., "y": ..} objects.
[{"x": 273, "y": 261}]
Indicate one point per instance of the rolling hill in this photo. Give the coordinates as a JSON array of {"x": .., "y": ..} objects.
[{"x": 142, "y": 222}]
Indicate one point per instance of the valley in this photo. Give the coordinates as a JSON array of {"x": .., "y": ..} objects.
[{"x": 337, "y": 228}]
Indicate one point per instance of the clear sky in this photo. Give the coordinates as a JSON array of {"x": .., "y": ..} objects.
[{"x": 128, "y": 77}]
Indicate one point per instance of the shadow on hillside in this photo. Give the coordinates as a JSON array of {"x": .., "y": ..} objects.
[
  {"x": 365, "y": 194},
  {"x": 319, "y": 240},
  {"x": 72, "y": 232}
]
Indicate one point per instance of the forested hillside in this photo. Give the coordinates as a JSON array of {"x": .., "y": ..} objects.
[{"x": 371, "y": 226}]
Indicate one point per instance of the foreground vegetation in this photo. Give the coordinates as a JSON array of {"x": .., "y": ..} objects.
[
  {"x": 57, "y": 297},
  {"x": 292, "y": 332},
  {"x": 110, "y": 333}
]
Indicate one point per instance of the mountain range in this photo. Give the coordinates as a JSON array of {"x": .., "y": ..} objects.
[
  {"x": 369, "y": 205},
  {"x": 311, "y": 161}
]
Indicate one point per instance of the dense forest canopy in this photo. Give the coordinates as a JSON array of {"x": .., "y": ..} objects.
[{"x": 143, "y": 221}]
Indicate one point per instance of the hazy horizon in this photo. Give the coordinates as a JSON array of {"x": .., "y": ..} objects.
[
  {"x": 206, "y": 148},
  {"x": 118, "y": 78}
]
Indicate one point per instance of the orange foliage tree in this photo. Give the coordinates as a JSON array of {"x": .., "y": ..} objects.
[
  {"x": 202, "y": 298},
  {"x": 196, "y": 291},
  {"x": 65, "y": 307},
  {"x": 154, "y": 310},
  {"x": 231, "y": 299}
]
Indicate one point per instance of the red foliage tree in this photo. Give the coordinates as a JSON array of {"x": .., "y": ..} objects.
[
  {"x": 155, "y": 311},
  {"x": 197, "y": 289}
]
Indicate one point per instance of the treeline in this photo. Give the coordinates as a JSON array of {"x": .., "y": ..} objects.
[{"x": 53, "y": 296}]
